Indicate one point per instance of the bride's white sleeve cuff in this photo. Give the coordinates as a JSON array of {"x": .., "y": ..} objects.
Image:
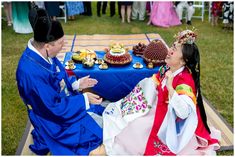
[{"x": 181, "y": 105}]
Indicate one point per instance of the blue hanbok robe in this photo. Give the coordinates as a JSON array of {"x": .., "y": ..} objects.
[{"x": 61, "y": 122}]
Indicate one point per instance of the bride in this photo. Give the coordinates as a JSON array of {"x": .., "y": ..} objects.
[{"x": 164, "y": 114}]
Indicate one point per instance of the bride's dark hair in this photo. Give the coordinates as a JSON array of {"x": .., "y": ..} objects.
[{"x": 191, "y": 57}]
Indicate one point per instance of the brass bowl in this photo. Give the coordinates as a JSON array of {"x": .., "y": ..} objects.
[
  {"x": 103, "y": 66},
  {"x": 88, "y": 62},
  {"x": 150, "y": 65}
]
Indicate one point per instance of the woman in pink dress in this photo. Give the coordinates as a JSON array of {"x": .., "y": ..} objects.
[{"x": 163, "y": 14}]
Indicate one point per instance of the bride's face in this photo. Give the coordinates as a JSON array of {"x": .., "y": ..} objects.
[{"x": 174, "y": 57}]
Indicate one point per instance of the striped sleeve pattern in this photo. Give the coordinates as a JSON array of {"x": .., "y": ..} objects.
[{"x": 184, "y": 89}]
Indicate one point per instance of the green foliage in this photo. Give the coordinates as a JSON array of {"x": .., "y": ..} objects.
[
  {"x": 226, "y": 153},
  {"x": 215, "y": 45}
]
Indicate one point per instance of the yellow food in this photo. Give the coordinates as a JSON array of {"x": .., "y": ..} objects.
[
  {"x": 75, "y": 56},
  {"x": 84, "y": 53}
]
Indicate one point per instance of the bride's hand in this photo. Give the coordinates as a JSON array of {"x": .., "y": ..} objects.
[{"x": 169, "y": 75}]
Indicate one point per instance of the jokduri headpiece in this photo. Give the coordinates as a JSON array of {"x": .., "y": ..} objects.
[
  {"x": 186, "y": 37},
  {"x": 44, "y": 29}
]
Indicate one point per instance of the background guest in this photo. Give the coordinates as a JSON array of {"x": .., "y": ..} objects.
[
  {"x": 87, "y": 8},
  {"x": 189, "y": 10},
  {"x": 20, "y": 12},
  {"x": 148, "y": 8},
  {"x": 74, "y": 8},
  {"x": 163, "y": 14},
  {"x": 126, "y": 9},
  {"x": 53, "y": 9},
  {"x": 112, "y": 8},
  {"x": 40, "y": 4},
  {"x": 138, "y": 9},
  {"x": 216, "y": 12},
  {"x": 8, "y": 12},
  {"x": 104, "y": 6},
  {"x": 228, "y": 15},
  {"x": 119, "y": 9}
]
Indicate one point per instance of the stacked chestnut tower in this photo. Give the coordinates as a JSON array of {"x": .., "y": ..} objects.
[{"x": 155, "y": 53}]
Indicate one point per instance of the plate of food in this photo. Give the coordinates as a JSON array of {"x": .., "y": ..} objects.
[
  {"x": 70, "y": 62},
  {"x": 88, "y": 62},
  {"x": 138, "y": 65},
  {"x": 117, "y": 55},
  {"x": 103, "y": 66},
  {"x": 70, "y": 67},
  {"x": 82, "y": 54}
]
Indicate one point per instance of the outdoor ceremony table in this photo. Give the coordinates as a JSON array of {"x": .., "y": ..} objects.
[{"x": 115, "y": 82}]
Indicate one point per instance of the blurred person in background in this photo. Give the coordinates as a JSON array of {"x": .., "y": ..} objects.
[
  {"x": 74, "y": 8},
  {"x": 20, "y": 12},
  {"x": 8, "y": 11},
  {"x": 228, "y": 15},
  {"x": 87, "y": 8},
  {"x": 216, "y": 12},
  {"x": 188, "y": 5},
  {"x": 53, "y": 9},
  {"x": 163, "y": 14},
  {"x": 138, "y": 10},
  {"x": 40, "y": 4},
  {"x": 126, "y": 10},
  {"x": 103, "y": 5}
]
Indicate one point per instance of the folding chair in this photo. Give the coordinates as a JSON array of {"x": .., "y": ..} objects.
[
  {"x": 201, "y": 6},
  {"x": 64, "y": 15},
  {"x": 4, "y": 18}
]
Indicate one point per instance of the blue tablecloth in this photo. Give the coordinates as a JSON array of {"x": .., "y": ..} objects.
[{"x": 115, "y": 82}]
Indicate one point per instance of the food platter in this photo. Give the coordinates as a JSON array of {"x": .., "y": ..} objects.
[
  {"x": 103, "y": 66},
  {"x": 79, "y": 56},
  {"x": 70, "y": 67},
  {"x": 69, "y": 62},
  {"x": 138, "y": 66},
  {"x": 117, "y": 62}
]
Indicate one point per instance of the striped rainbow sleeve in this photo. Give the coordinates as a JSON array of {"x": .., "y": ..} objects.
[{"x": 184, "y": 89}]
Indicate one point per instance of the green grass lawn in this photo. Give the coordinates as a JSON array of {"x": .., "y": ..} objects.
[{"x": 215, "y": 45}]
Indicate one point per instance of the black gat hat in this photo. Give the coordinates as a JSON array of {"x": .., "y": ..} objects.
[{"x": 45, "y": 30}]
